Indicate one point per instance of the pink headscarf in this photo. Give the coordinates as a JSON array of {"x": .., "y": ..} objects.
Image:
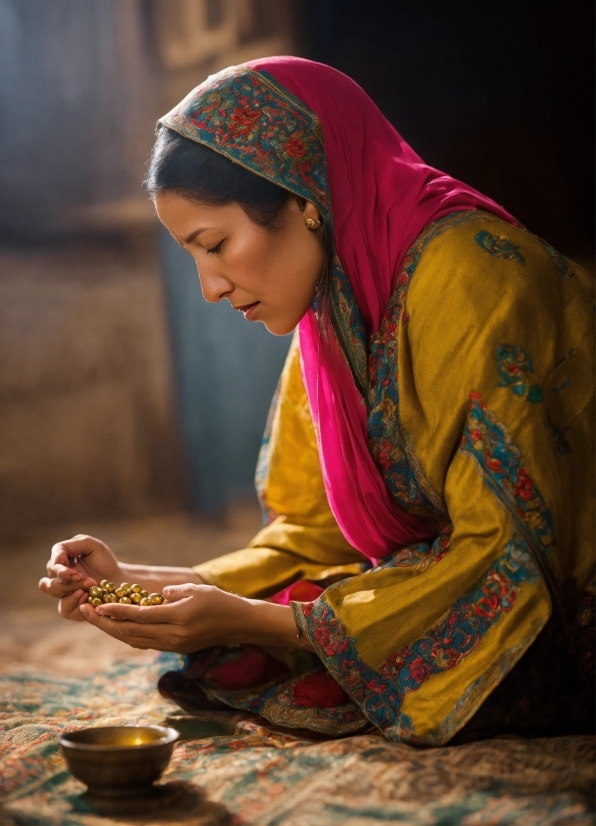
[{"x": 382, "y": 197}]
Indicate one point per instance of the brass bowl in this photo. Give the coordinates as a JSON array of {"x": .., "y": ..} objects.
[{"x": 118, "y": 761}]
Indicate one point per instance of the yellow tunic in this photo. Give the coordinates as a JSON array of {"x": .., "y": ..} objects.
[{"x": 494, "y": 360}]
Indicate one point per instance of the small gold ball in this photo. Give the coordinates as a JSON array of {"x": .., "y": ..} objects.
[
  {"x": 109, "y": 586},
  {"x": 96, "y": 602},
  {"x": 95, "y": 592},
  {"x": 145, "y": 601},
  {"x": 120, "y": 592},
  {"x": 136, "y": 589},
  {"x": 156, "y": 599},
  {"x": 125, "y": 586},
  {"x": 136, "y": 598},
  {"x": 124, "y": 601},
  {"x": 144, "y": 593},
  {"x": 103, "y": 583}
]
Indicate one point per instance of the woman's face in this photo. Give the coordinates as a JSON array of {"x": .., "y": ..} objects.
[{"x": 269, "y": 275}]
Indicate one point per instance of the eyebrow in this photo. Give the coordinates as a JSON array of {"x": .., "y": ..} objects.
[{"x": 194, "y": 234}]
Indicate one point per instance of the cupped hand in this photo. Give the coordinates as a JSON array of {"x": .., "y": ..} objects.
[
  {"x": 195, "y": 617},
  {"x": 74, "y": 566}
]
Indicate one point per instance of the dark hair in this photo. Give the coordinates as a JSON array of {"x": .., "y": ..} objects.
[{"x": 201, "y": 174}]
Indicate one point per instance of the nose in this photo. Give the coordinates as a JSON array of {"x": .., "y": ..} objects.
[{"x": 213, "y": 285}]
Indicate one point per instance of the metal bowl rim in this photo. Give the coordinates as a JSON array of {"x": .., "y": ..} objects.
[{"x": 170, "y": 736}]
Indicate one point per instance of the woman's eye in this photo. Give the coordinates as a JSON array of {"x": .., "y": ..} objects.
[{"x": 216, "y": 249}]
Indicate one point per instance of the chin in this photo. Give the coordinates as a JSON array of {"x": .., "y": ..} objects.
[{"x": 281, "y": 327}]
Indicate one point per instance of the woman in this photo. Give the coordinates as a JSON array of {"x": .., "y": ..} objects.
[{"x": 426, "y": 560}]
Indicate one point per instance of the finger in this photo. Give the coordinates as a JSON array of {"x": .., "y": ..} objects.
[
  {"x": 54, "y": 587},
  {"x": 69, "y": 575},
  {"x": 131, "y": 633},
  {"x": 63, "y": 553},
  {"x": 174, "y": 593},
  {"x": 69, "y": 607},
  {"x": 143, "y": 614}
]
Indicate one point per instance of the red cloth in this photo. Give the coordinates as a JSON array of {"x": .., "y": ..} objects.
[{"x": 382, "y": 197}]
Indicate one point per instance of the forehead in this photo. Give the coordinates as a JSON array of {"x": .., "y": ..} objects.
[{"x": 184, "y": 218}]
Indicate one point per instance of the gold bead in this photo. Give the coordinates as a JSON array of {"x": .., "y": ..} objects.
[
  {"x": 124, "y": 601},
  {"x": 120, "y": 592},
  {"x": 109, "y": 586},
  {"x": 103, "y": 583},
  {"x": 156, "y": 599},
  {"x": 125, "y": 586},
  {"x": 136, "y": 589},
  {"x": 96, "y": 602},
  {"x": 145, "y": 601},
  {"x": 136, "y": 598},
  {"x": 95, "y": 592},
  {"x": 312, "y": 224}
]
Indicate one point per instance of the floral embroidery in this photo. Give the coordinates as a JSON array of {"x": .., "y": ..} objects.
[
  {"x": 561, "y": 263},
  {"x": 245, "y": 677},
  {"x": 252, "y": 120},
  {"x": 505, "y": 474},
  {"x": 418, "y": 555},
  {"x": 499, "y": 247},
  {"x": 386, "y": 441},
  {"x": 517, "y": 372},
  {"x": 380, "y": 691}
]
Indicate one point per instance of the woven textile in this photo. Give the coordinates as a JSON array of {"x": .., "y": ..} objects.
[{"x": 231, "y": 768}]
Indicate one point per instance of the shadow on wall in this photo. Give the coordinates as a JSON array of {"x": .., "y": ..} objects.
[{"x": 498, "y": 95}]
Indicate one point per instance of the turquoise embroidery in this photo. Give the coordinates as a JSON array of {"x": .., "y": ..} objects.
[
  {"x": 517, "y": 372},
  {"x": 419, "y": 555},
  {"x": 561, "y": 263},
  {"x": 386, "y": 441},
  {"x": 380, "y": 691},
  {"x": 501, "y": 463},
  {"x": 248, "y": 117},
  {"x": 500, "y": 247}
]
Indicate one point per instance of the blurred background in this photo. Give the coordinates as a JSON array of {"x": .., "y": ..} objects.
[{"x": 128, "y": 407}]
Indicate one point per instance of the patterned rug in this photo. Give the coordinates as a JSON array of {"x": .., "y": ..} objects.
[{"x": 235, "y": 769}]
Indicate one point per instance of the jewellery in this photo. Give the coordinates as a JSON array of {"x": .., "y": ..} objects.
[{"x": 312, "y": 224}]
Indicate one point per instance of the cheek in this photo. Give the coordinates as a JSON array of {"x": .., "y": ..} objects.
[{"x": 252, "y": 261}]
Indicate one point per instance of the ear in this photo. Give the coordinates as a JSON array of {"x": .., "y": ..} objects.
[{"x": 311, "y": 211}]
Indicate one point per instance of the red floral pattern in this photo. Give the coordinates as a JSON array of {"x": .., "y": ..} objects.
[{"x": 248, "y": 117}]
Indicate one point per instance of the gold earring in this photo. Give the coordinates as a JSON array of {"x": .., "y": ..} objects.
[{"x": 312, "y": 224}]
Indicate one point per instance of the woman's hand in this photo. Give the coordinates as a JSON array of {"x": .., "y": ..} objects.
[
  {"x": 75, "y": 565},
  {"x": 196, "y": 617}
]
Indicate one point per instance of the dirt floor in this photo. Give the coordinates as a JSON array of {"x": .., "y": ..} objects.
[{"x": 31, "y": 631}]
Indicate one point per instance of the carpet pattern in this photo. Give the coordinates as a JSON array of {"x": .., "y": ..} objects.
[{"x": 231, "y": 768}]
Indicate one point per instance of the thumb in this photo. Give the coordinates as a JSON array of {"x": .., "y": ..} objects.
[{"x": 174, "y": 593}]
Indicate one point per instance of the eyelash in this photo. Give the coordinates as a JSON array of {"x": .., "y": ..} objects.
[{"x": 215, "y": 250}]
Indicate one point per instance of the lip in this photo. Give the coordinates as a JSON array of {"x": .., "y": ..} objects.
[{"x": 248, "y": 309}]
